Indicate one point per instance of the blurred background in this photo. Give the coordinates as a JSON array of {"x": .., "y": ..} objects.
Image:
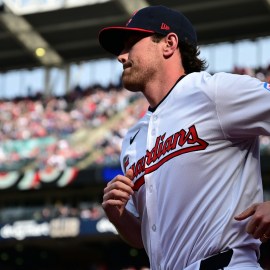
[{"x": 64, "y": 112}]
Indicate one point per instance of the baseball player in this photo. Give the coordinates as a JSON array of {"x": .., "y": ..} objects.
[{"x": 191, "y": 164}]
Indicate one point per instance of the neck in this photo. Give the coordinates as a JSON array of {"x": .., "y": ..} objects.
[{"x": 157, "y": 89}]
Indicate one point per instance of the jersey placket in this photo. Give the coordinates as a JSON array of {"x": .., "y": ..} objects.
[{"x": 151, "y": 198}]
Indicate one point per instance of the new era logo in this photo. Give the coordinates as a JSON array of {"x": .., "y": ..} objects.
[{"x": 164, "y": 26}]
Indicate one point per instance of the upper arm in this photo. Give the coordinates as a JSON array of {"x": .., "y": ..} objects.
[{"x": 243, "y": 105}]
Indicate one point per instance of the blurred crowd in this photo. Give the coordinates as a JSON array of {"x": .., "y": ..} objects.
[
  {"x": 89, "y": 210},
  {"x": 39, "y": 129}
]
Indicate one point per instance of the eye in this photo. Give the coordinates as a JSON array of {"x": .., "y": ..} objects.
[{"x": 133, "y": 39}]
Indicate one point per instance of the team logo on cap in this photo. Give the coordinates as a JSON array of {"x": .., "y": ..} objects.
[{"x": 266, "y": 86}]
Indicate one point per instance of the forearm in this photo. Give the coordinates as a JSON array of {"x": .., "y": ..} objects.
[{"x": 129, "y": 228}]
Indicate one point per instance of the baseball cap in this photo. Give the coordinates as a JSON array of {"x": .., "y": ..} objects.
[{"x": 153, "y": 19}]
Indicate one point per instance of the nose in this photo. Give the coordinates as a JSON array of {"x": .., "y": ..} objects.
[{"x": 122, "y": 57}]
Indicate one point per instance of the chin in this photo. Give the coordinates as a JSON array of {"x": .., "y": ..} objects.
[
  {"x": 130, "y": 85},
  {"x": 131, "y": 88}
]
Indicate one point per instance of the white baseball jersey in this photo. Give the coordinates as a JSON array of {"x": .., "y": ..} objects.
[{"x": 196, "y": 164}]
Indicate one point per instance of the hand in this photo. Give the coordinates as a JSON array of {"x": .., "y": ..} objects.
[
  {"x": 259, "y": 223},
  {"x": 116, "y": 195}
]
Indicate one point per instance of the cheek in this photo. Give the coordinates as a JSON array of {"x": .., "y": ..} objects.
[
  {"x": 145, "y": 59},
  {"x": 151, "y": 63}
]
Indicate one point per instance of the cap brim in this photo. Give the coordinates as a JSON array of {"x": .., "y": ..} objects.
[{"x": 112, "y": 39}]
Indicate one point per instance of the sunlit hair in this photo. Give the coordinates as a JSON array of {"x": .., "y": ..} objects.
[{"x": 189, "y": 54}]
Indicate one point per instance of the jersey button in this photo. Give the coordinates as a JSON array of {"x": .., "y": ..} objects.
[
  {"x": 155, "y": 117},
  {"x": 150, "y": 188},
  {"x": 154, "y": 228},
  {"x": 153, "y": 132}
]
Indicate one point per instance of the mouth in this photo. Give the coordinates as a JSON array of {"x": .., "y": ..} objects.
[{"x": 127, "y": 65}]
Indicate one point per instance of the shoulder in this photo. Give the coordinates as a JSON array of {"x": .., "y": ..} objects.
[
  {"x": 206, "y": 76},
  {"x": 199, "y": 83},
  {"x": 199, "y": 80},
  {"x": 139, "y": 125},
  {"x": 221, "y": 82}
]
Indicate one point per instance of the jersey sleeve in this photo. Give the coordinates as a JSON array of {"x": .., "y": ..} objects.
[{"x": 242, "y": 104}]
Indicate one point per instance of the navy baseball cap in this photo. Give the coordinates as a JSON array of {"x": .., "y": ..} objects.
[{"x": 153, "y": 19}]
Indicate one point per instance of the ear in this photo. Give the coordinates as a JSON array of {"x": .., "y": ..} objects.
[{"x": 170, "y": 44}]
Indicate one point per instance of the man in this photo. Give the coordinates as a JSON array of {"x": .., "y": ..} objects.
[{"x": 192, "y": 162}]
